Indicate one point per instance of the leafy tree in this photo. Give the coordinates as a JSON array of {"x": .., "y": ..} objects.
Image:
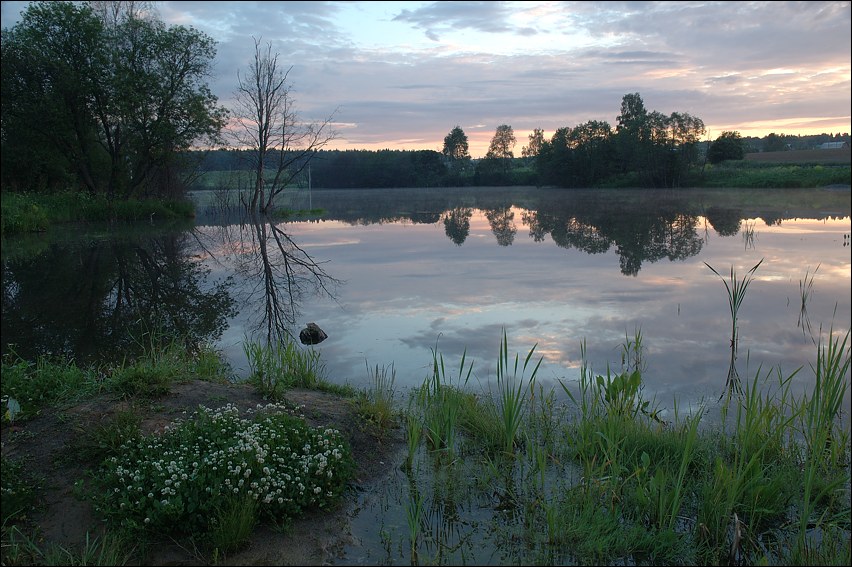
[
  {"x": 429, "y": 168},
  {"x": 727, "y": 146},
  {"x": 455, "y": 144},
  {"x": 118, "y": 100},
  {"x": 283, "y": 146},
  {"x": 632, "y": 132},
  {"x": 534, "y": 147},
  {"x": 502, "y": 144},
  {"x": 774, "y": 143}
]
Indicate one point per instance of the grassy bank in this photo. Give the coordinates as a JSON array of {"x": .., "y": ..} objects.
[
  {"x": 33, "y": 212},
  {"x": 601, "y": 480},
  {"x": 769, "y": 175}
]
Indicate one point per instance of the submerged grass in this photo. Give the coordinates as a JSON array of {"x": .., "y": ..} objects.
[
  {"x": 503, "y": 471},
  {"x": 736, "y": 289},
  {"x": 653, "y": 491}
]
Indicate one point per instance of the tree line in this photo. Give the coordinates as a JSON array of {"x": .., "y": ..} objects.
[{"x": 103, "y": 97}]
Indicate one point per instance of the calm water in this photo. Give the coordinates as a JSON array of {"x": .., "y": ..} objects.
[{"x": 392, "y": 276}]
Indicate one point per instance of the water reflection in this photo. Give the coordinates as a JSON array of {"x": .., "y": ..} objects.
[
  {"x": 457, "y": 224},
  {"x": 97, "y": 296},
  {"x": 639, "y": 233},
  {"x": 450, "y": 269},
  {"x": 276, "y": 274}
]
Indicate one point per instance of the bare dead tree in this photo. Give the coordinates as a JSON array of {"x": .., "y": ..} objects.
[{"x": 282, "y": 145}]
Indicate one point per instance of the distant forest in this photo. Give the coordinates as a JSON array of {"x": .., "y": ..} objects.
[
  {"x": 345, "y": 169},
  {"x": 104, "y": 99}
]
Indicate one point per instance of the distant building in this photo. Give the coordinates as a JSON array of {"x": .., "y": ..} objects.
[{"x": 833, "y": 145}]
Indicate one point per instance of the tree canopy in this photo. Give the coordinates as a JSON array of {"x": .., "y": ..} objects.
[
  {"x": 727, "y": 146},
  {"x": 455, "y": 144},
  {"x": 109, "y": 104}
]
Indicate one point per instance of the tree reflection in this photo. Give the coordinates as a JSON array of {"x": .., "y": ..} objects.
[
  {"x": 724, "y": 220},
  {"x": 639, "y": 234},
  {"x": 502, "y": 221},
  {"x": 457, "y": 224},
  {"x": 277, "y": 274},
  {"x": 108, "y": 298}
]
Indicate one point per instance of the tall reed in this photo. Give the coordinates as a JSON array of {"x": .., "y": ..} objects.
[
  {"x": 822, "y": 432},
  {"x": 806, "y": 288},
  {"x": 441, "y": 402},
  {"x": 513, "y": 392},
  {"x": 736, "y": 293},
  {"x": 377, "y": 403}
]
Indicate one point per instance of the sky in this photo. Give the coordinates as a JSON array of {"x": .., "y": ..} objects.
[{"x": 401, "y": 75}]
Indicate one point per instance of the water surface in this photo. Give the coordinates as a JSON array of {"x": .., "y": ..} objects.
[{"x": 394, "y": 276}]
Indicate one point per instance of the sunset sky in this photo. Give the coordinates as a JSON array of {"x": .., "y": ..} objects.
[{"x": 401, "y": 75}]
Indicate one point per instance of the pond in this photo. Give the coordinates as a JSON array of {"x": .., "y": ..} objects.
[
  {"x": 398, "y": 277},
  {"x": 395, "y": 276}
]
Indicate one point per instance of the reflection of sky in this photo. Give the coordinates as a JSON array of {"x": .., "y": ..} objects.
[{"x": 409, "y": 289}]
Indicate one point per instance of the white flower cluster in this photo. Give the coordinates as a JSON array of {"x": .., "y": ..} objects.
[{"x": 181, "y": 475}]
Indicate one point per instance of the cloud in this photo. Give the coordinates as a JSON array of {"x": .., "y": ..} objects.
[
  {"x": 439, "y": 17},
  {"x": 402, "y": 72}
]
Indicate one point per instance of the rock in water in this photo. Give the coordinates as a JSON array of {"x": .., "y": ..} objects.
[{"x": 312, "y": 335}]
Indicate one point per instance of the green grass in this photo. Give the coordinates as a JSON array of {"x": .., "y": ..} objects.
[
  {"x": 279, "y": 366},
  {"x": 377, "y": 405},
  {"x": 648, "y": 490},
  {"x": 502, "y": 470},
  {"x": 24, "y": 549},
  {"x": 50, "y": 381},
  {"x": 513, "y": 393},
  {"x": 35, "y": 212},
  {"x": 744, "y": 174},
  {"x": 18, "y": 490}
]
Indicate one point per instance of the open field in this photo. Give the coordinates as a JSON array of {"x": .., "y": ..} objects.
[{"x": 842, "y": 155}]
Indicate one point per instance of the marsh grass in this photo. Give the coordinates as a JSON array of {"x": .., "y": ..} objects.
[
  {"x": 826, "y": 443},
  {"x": 749, "y": 234},
  {"x": 279, "y": 366},
  {"x": 736, "y": 289},
  {"x": 414, "y": 518},
  {"x": 378, "y": 403},
  {"x": 806, "y": 288},
  {"x": 513, "y": 392},
  {"x": 439, "y": 401},
  {"x": 20, "y": 548}
]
